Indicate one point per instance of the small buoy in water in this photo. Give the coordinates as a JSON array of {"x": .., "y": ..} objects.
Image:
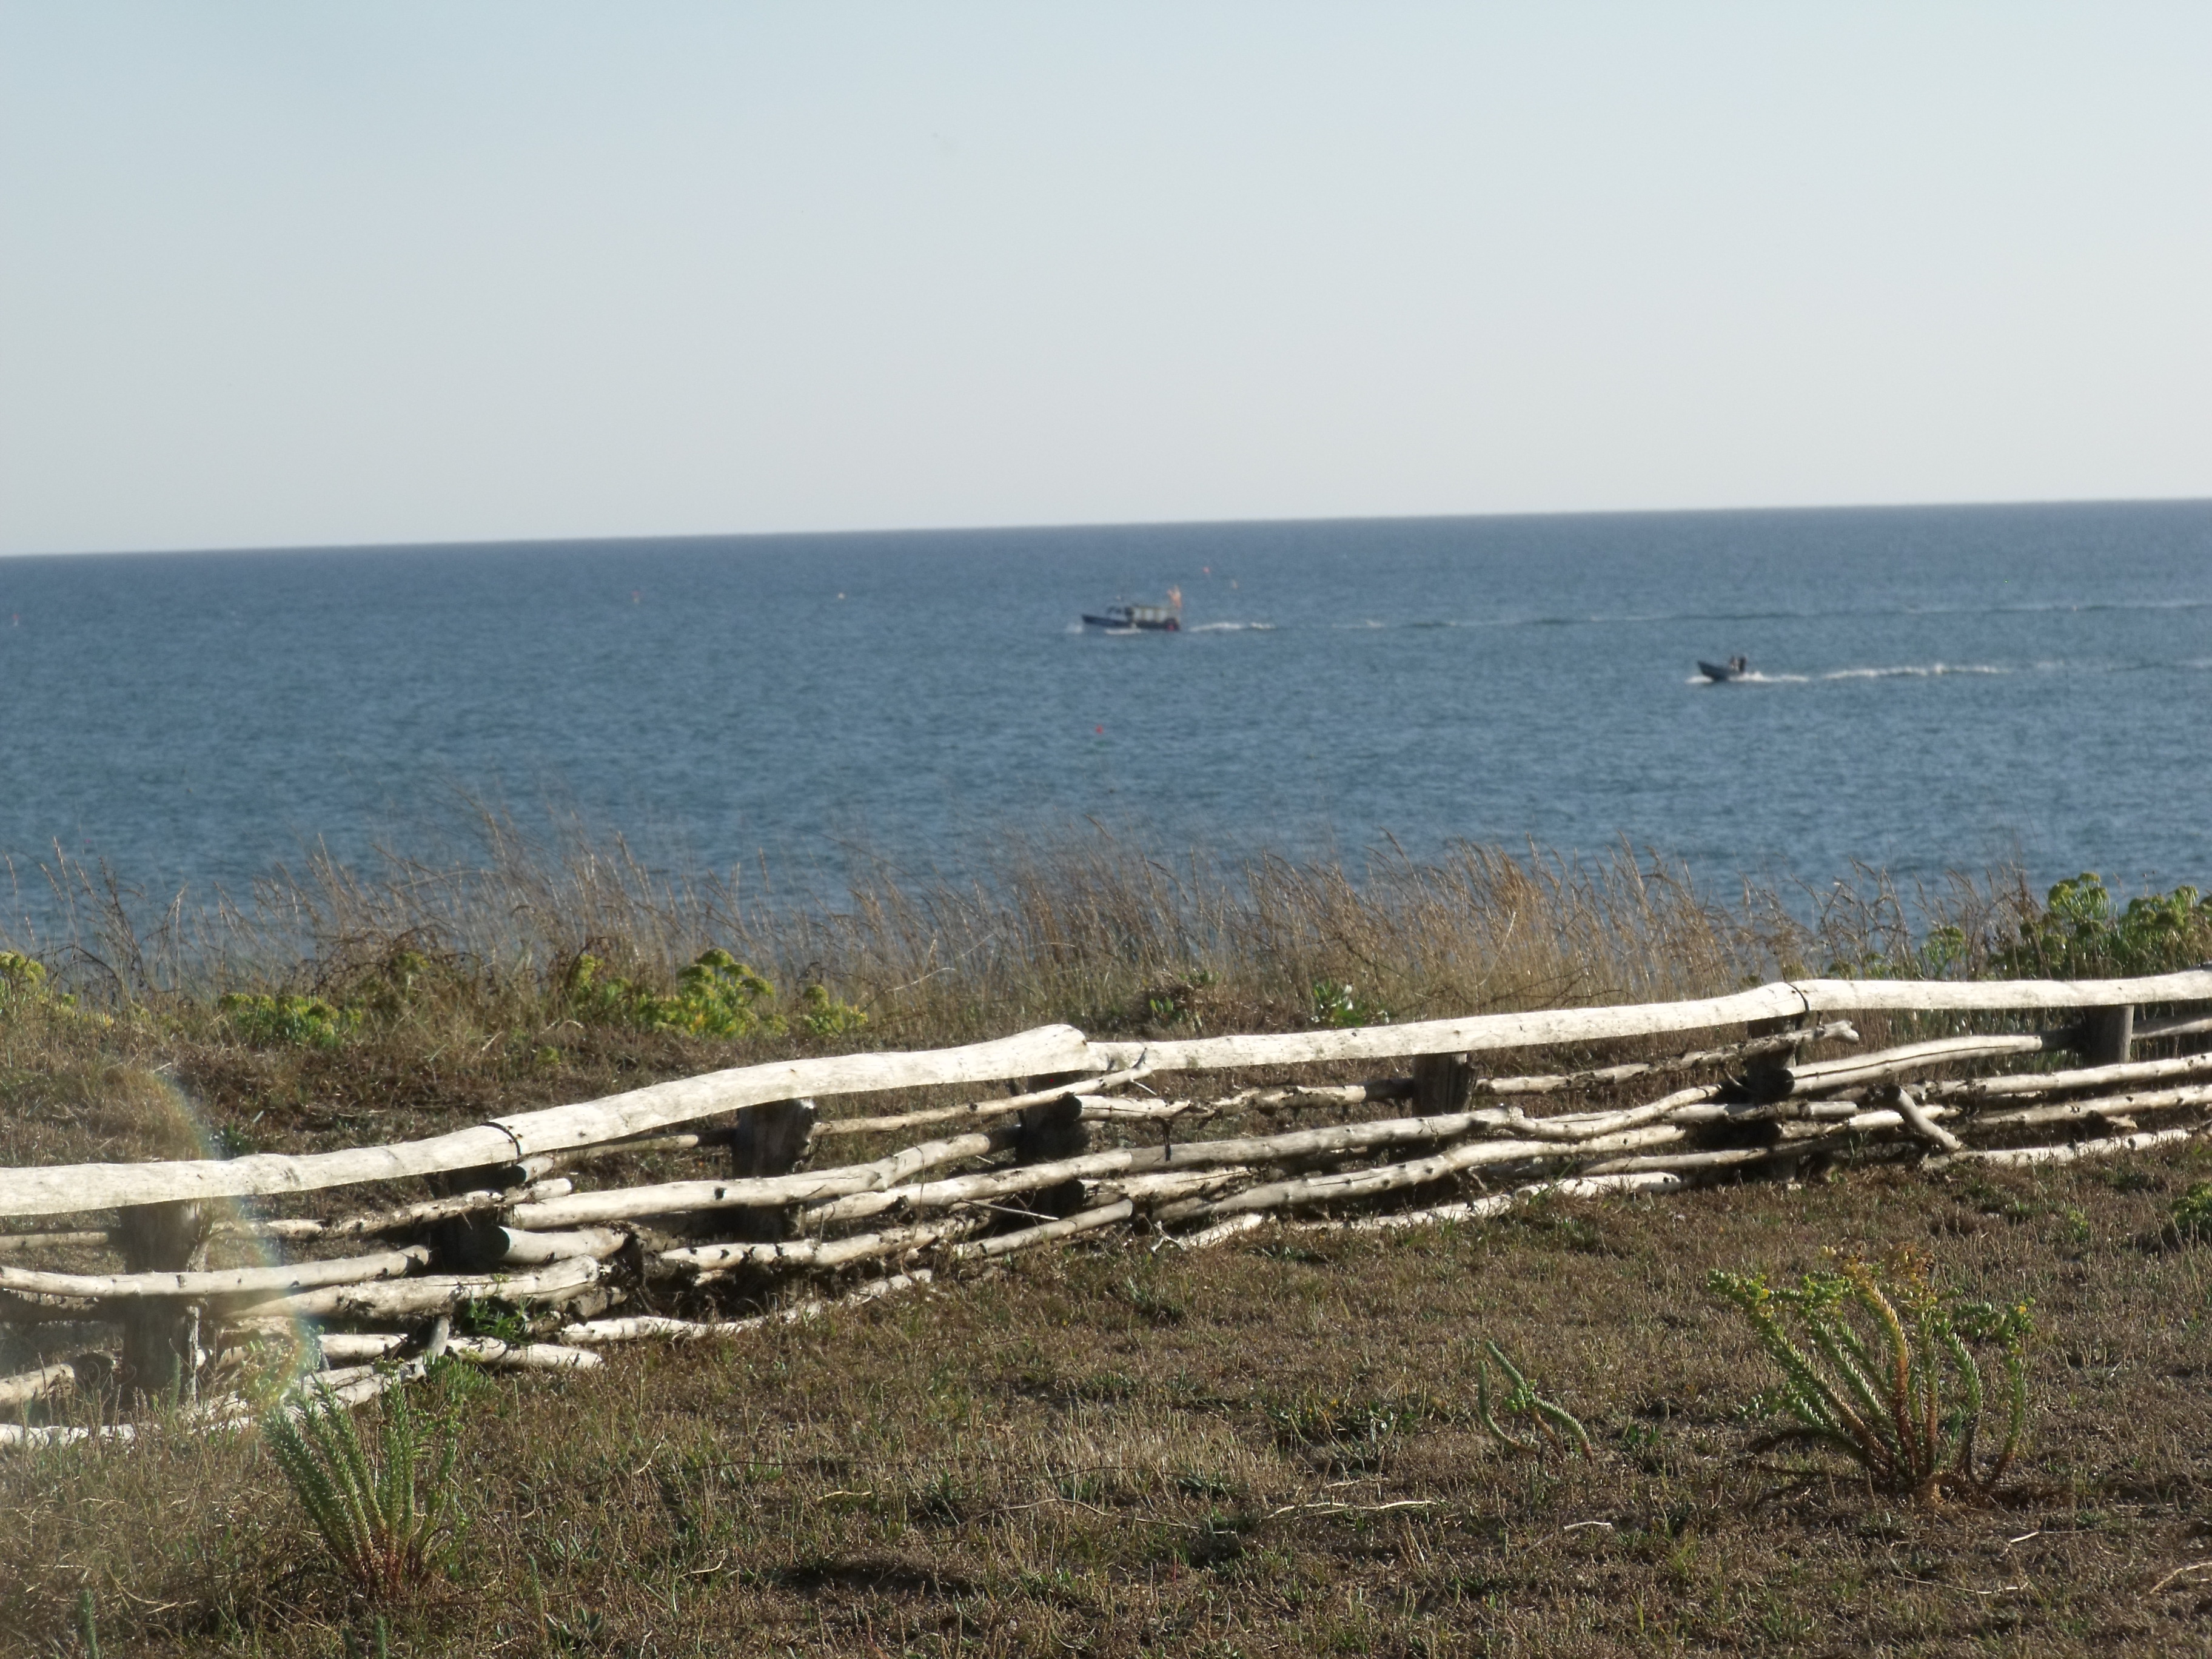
[{"x": 1100, "y": 730}]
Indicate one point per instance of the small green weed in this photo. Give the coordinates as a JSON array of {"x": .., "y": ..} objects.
[
  {"x": 381, "y": 1525},
  {"x": 1557, "y": 1424},
  {"x": 1342, "y": 1006},
  {"x": 2192, "y": 1214},
  {"x": 1905, "y": 1405}
]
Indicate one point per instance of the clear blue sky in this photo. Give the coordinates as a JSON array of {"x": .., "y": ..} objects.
[{"x": 283, "y": 274}]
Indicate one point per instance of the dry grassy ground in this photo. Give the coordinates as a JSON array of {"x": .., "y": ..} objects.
[
  {"x": 1266, "y": 1447},
  {"x": 1270, "y": 1446}
]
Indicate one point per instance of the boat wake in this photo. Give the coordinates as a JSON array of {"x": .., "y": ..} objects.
[
  {"x": 1897, "y": 672},
  {"x": 1231, "y": 627}
]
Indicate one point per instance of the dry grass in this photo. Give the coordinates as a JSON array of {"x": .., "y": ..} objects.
[
  {"x": 455, "y": 972},
  {"x": 1086, "y": 922},
  {"x": 1271, "y": 1447}
]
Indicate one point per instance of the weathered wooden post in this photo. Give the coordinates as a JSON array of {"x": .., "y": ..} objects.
[
  {"x": 1442, "y": 1084},
  {"x": 162, "y": 1353},
  {"x": 2108, "y": 1035},
  {"x": 1050, "y": 1130},
  {"x": 768, "y": 1139}
]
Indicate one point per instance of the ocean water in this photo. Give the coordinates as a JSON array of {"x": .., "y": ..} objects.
[{"x": 1932, "y": 688}]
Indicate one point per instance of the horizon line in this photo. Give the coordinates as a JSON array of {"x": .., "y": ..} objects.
[{"x": 1036, "y": 528}]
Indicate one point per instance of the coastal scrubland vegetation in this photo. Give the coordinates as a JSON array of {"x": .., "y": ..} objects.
[{"x": 1283, "y": 1443}]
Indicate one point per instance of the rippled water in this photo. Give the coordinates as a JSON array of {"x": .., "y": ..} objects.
[{"x": 1930, "y": 688}]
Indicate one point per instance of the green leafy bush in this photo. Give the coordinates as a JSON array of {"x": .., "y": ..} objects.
[
  {"x": 382, "y": 1525},
  {"x": 716, "y": 996},
  {"x": 821, "y": 1014},
  {"x": 1901, "y": 1397},
  {"x": 2083, "y": 933},
  {"x": 22, "y": 981},
  {"x": 284, "y": 1019}
]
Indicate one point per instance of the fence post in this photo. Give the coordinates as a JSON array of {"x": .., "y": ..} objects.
[
  {"x": 1442, "y": 1084},
  {"x": 2107, "y": 1034},
  {"x": 161, "y": 1353},
  {"x": 1767, "y": 1077},
  {"x": 768, "y": 1139},
  {"x": 1050, "y": 1130}
]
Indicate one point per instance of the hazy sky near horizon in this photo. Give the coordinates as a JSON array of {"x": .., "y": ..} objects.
[{"x": 282, "y": 275}]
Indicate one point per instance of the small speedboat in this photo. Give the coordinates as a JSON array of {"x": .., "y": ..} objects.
[
  {"x": 1722, "y": 672},
  {"x": 1141, "y": 618}
]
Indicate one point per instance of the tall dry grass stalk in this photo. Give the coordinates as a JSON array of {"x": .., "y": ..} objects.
[{"x": 1084, "y": 925}]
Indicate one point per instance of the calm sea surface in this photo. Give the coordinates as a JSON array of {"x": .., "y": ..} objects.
[{"x": 1935, "y": 688}]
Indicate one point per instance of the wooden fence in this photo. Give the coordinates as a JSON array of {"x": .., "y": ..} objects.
[{"x": 1092, "y": 1138}]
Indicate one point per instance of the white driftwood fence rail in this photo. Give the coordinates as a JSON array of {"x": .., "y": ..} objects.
[{"x": 1091, "y": 1136}]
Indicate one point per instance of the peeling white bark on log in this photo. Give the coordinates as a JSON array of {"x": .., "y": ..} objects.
[
  {"x": 2091, "y": 1077},
  {"x": 1469, "y": 1210},
  {"x": 2075, "y": 1111},
  {"x": 1828, "y": 1075},
  {"x": 1921, "y": 1123},
  {"x": 351, "y": 1348},
  {"x": 818, "y": 1252},
  {"x": 1831, "y": 1111},
  {"x": 1728, "y": 1158},
  {"x": 2186, "y": 1025},
  {"x": 1096, "y": 1110},
  {"x": 26, "y": 1386},
  {"x": 977, "y": 1111},
  {"x": 1786, "y": 1000},
  {"x": 1082, "y": 1221},
  {"x": 69, "y": 1188},
  {"x": 686, "y": 1330},
  {"x": 1347, "y": 1139},
  {"x": 1297, "y": 1096},
  {"x": 1839, "y": 1030},
  {"x": 1478, "y": 1209},
  {"x": 1144, "y": 1190},
  {"x": 70, "y": 1241},
  {"x": 760, "y": 1192},
  {"x": 1392, "y": 1177},
  {"x": 1221, "y": 1232},
  {"x": 524, "y": 1247},
  {"x": 1590, "y": 1126},
  {"x": 208, "y": 1286},
  {"x": 495, "y": 1355},
  {"x": 2068, "y": 1153},
  {"x": 434, "y": 1293},
  {"x": 1049, "y": 1048}
]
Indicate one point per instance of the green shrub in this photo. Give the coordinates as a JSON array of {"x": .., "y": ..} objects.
[
  {"x": 2192, "y": 1214},
  {"x": 283, "y": 1019},
  {"x": 22, "y": 981},
  {"x": 2082, "y": 932},
  {"x": 716, "y": 996},
  {"x": 382, "y": 1526},
  {"x": 1904, "y": 1402},
  {"x": 822, "y": 1015}
]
